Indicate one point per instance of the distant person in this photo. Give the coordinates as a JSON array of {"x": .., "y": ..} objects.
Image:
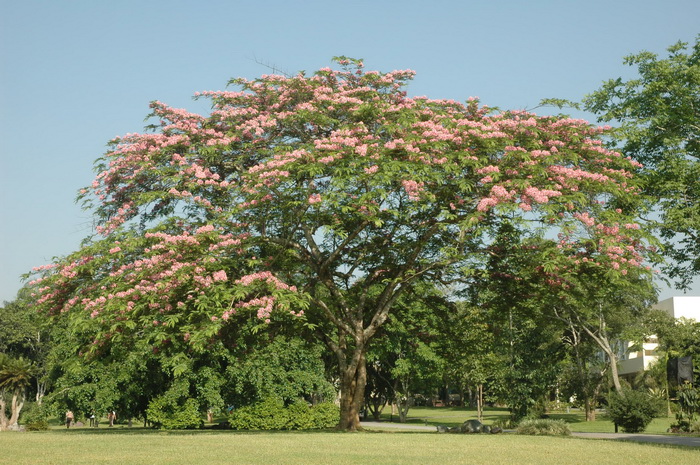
[
  {"x": 69, "y": 418},
  {"x": 93, "y": 420},
  {"x": 111, "y": 416}
]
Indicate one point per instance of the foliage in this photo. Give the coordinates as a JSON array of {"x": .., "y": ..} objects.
[
  {"x": 688, "y": 416},
  {"x": 543, "y": 427},
  {"x": 406, "y": 358},
  {"x": 175, "y": 409},
  {"x": 319, "y": 201},
  {"x": 633, "y": 411},
  {"x": 660, "y": 127},
  {"x": 285, "y": 368},
  {"x": 271, "y": 414},
  {"x": 25, "y": 334},
  {"x": 35, "y": 417},
  {"x": 16, "y": 375}
]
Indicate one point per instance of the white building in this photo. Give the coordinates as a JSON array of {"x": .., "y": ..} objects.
[{"x": 687, "y": 307}]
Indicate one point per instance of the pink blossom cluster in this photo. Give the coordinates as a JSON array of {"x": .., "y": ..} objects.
[
  {"x": 267, "y": 277},
  {"x": 413, "y": 188}
]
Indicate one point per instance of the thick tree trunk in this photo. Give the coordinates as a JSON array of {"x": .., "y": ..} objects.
[
  {"x": 3, "y": 417},
  {"x": 16, "y": 408},
  {"x": 352, "y": 392},
  {"x": 588, "y": 407}
]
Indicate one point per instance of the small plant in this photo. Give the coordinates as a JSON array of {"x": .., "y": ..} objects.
[
  {"x": 326, "y": 415},
  {"x": 175, "y": 409},
  {"x": 35, "y": 417},
  {"x": 505, "y": 423},
  {"x": 632, "y": 411},
  {"x": 271, "y": 414},
  {"x": 543, "y": 427},
  {"x": 688, "y": 408}
]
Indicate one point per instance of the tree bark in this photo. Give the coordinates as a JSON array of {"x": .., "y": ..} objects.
[
  {"x": 352, "y": 392},
  {"x": 16, "y": 407},
  {"x": 3, "y": 417},
  {"x": 479, "y": 401}
]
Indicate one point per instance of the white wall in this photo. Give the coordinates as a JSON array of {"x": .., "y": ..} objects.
[{"x": 681, "y": 307}]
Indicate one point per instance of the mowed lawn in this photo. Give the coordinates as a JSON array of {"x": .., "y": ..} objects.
[
  {"x": 454, "y": 416},
  {"x": 137, "y": 446}
]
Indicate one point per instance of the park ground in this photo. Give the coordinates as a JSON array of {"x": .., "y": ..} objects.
[{"x": 123, "y": 445}]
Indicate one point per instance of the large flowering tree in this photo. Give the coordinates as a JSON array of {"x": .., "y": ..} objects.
[{"x": 323, "y": 199}]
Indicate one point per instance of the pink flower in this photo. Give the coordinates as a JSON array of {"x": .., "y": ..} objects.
[
  {"x": 314, "y": 198},
  {"x": 220, "y": 276},
  {"x": 413, "y": 188}
]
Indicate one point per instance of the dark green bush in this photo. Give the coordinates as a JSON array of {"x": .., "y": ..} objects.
[
  {"x": 326, "y": 415},
  {"x": 543, "y": 427},
  {"x": 174, "y": 411},
  {"x": 632, "y": 411},
  {"x": 300, "y": 416},
  {"x": 688, "y": 408},
  {"x": 35, "y": 417},
  {"x": 271, "y": 414}
]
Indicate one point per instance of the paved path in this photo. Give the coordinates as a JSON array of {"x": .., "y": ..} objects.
[{"x": 654, "y": 438}]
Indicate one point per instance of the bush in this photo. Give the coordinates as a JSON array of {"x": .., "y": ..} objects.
[
  {"x": 164, "y": 412},
  {"x": 35, "y": 417},
  {"x": 687, "y": 409},
  {"x": 633, "y": 411},
  {"x": 504, "y": 423},
  {"x": 326, "y": 415},
  {"x": 543, "y": 427},
  {"x": 271, "y": 414}
]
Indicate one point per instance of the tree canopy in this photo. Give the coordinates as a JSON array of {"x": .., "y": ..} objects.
[
  {"x": 658, "y": 114},
  {"x": 319, "y": 201}
]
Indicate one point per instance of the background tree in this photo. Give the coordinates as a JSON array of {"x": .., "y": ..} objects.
[
  {"x": 15, "y": 376},
  {"x": 24, "y": 333},
  {"x": 659, "y": 117},
  {"x": 320, "y": 199},
  {"x": 406, "y": 356},
  {"x": 468, "y": 348}
]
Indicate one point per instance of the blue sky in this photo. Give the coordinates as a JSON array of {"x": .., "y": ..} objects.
[{"x": 75, "y": 73}]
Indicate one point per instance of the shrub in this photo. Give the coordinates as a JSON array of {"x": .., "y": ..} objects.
[
  {"x": 543, "y": 427},
  {"x": 35, "y": 417},
  {"x": 168, "y": 413},
  {"x": 326, "y": 415},
  {"x": 633, "y": 411},
  {"x": 271, "y": 414},
  {"x": 504, "y": 423},
  {"x": 687, "y": 409},
  {"x": 300, "y": 416}
]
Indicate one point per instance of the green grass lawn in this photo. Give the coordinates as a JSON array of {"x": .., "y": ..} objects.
[
  {"x": 453, "y": 416},
  {"x": 122, "y": 445}
]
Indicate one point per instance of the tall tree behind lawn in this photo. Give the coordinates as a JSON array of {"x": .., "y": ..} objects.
[
  {"x": 659, "y": 117},
  {"x": 298, "y": 197}
]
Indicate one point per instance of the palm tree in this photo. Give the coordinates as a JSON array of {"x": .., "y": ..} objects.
[{"x": 15, "y": 376}]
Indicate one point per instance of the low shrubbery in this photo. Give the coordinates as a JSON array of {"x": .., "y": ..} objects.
[
  {"x": 543, "y": 427},
  {"x": 687, "y": 416},
  {"x": 272, "y": 414},
  {"x": 175, "y": 409},
  {"x": 632, "y": 411},
  {"x": 35, "y": 417}
]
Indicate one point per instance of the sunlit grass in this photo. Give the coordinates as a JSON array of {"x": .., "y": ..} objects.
[
  {"x": 137, "y": 446},
  {"x": 454, "y": 416}
]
